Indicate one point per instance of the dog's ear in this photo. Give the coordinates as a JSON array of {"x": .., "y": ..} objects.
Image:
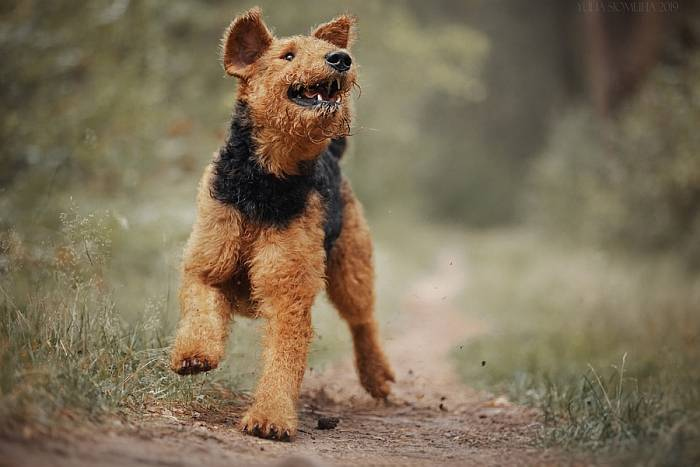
[
  {"x": 339, "y": 31},
  {"x": 244, "y": 41}
]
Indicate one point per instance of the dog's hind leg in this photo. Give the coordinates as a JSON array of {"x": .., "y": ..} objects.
[
  {"x": 350, "y": 275},
  {"x": 210, "y": 259}
]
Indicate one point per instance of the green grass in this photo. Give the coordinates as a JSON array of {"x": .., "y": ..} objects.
[
  {"x": 63, "y": 344},
  {"x": 606, "y": 346}
]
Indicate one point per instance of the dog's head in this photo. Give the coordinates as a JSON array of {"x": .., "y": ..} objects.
[{"x": 298, "y": 85}]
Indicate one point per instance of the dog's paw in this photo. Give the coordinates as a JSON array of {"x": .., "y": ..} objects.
[
  {"x": 269, "y": 426},
  {"x": 193, "y": 354},
  {"x": 375, "y": 376},
  {"x": 191, "y": 366}
]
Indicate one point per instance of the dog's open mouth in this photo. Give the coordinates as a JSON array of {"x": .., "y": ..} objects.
[{"x": 322, "y": 93}]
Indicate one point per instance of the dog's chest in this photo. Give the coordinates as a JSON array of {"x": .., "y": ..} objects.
[
  {"x": 265, "y": 199},
  {"x": 261, "y": 197}
]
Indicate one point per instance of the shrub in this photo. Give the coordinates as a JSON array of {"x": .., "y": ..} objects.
[{"x": 632, "y": 181}]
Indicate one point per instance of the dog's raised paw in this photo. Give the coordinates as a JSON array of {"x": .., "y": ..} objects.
[
  {"x": 190, "y": 366},
  {"x": 256, "y": 424}
]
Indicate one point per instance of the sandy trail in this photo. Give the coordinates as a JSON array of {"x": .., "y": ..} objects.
[{"x": 431, "y": 418}]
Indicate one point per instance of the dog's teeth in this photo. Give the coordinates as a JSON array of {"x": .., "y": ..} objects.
[
  {"x": 319, "y": 98},
  {"x": 337, "y": 84}
]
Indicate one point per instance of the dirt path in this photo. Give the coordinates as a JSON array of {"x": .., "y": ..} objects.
[{"x": 431, "y": 418}]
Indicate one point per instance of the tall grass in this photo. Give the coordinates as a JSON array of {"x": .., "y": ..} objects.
[
  {"x": 656, "y": 418},
  {"x": 606, "y": 346},
  {"x": 63, "y": 345}
]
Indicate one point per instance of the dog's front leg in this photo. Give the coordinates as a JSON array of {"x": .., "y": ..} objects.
[
  {"x": 287, "y": 271},
  {"x": 210, "y": 259}
]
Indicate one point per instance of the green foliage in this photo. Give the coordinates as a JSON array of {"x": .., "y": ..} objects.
[{"x": 634, "y": 181}]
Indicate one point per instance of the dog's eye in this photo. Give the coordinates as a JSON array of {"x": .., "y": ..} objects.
[{"x": 288, "y": 56}]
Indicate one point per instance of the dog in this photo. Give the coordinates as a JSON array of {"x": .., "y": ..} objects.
[{"x": 277, "y": 222}]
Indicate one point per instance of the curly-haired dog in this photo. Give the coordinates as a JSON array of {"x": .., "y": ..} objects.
[{"x": 277, "y": 222}]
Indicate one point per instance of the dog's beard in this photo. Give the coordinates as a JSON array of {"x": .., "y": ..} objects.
[
  {"x": 313, "y": 124},
  {"x": 318, "y": 104}
]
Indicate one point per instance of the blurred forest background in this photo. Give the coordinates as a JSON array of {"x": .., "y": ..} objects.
[{"x": 555, "y": 143}]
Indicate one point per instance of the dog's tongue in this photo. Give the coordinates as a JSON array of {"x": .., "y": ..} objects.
[
  {"x": 321, "y": 93},
  {"x": 313, "y": 95}
]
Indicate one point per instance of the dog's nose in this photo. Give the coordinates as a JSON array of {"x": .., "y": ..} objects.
[{"x": 341, "y": 61}]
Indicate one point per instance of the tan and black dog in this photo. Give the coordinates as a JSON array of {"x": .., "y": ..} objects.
[{"x": 276, "y": 221}]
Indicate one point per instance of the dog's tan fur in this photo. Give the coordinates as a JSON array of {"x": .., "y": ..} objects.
[{"x": 233, "y": 265}]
